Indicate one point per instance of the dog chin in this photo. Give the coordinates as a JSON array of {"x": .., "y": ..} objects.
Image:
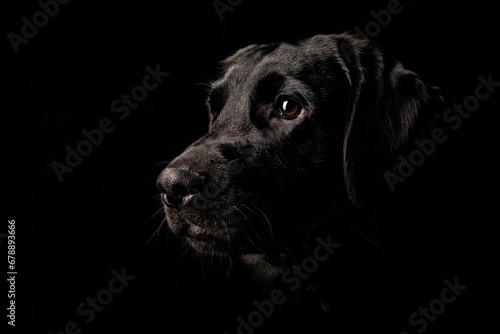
[{"x": 202, "y": 237}]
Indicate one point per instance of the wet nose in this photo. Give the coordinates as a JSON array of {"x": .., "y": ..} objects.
[{"x": 177, "y": 185}]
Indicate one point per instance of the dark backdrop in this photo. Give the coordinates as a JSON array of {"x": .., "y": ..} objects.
[{"x": 72, "y": 234}]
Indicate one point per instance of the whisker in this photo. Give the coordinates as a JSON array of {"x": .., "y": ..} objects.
[
  {"x": 157, "y": 232},
  {"x": 258, "y": 216},
  {"x": 270, "y": 226},
  {"x": 160, "y": 210},
  {"x": 211, "y": 258},
  {"x": 249, "y": 209},
  {"x": 185, "y": 251},
  {"x": 256, "y": 234},
  {"x": 267, "y": 219},
  {"x": 251, "y": 241},
  {"x": 231, "y": 161},
  {"x": 162, "y": 162},
  {"x": 238, "y": 209},
  {"x": 203, "y": 84},
  {"x": 227, "y": 233},
  {"x": 230, "y": 266},
  {"x": 202, "y": 270},
  {"x": 365, "y": 236}
]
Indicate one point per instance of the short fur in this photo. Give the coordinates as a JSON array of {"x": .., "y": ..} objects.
[{"x": 262, "y": 188}]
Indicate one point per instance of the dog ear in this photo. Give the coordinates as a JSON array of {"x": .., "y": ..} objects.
[{"x": 389, "y": 107}]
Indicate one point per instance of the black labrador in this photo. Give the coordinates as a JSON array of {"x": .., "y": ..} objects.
[{"x": 299, "y": 140}]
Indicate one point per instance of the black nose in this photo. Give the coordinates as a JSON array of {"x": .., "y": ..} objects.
[{"x": 177, "y": 185}]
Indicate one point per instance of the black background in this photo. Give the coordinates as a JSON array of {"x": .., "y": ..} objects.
[{"x": 70, "y": 235}]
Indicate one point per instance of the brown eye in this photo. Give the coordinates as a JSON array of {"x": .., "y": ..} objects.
[{"x": 287, "y": 108}]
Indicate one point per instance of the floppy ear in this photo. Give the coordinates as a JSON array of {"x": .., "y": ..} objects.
[{"x": 389, "y": 107}]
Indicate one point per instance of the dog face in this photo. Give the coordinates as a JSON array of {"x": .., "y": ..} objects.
[{"x": 298, "y": 132}]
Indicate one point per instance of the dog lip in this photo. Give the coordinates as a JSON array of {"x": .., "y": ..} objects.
[
  {"x": 194, "y": 230},
  {"x": 197, "y": 232}
]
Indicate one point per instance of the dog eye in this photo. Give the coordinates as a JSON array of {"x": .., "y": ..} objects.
[{"x": 287, "y": 108}]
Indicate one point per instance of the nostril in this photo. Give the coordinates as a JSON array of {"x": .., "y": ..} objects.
[
  {"x": 178, "y": 190},
  {"x": 176, "y": 194},
  {"x": 177, "y": 184},
  {"x": 160, "y": 187}
]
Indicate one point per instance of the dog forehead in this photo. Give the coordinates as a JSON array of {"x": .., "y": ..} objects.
[
  {"x": 251, "y": 63},
  {"x": 309, "y": 55}
]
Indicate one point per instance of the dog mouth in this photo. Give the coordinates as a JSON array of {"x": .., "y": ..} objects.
[
  {"x": 217, "y": 212},
  {"x": 203, "y": 233},
  {"x": 225, "y": 230},
  {"x": 195, "y": 232}
]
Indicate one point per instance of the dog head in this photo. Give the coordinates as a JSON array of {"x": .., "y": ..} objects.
[{"x": 297, "y": 132}]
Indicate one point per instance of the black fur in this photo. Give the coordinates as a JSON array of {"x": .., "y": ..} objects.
[{"x": 262, "y": 187}]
